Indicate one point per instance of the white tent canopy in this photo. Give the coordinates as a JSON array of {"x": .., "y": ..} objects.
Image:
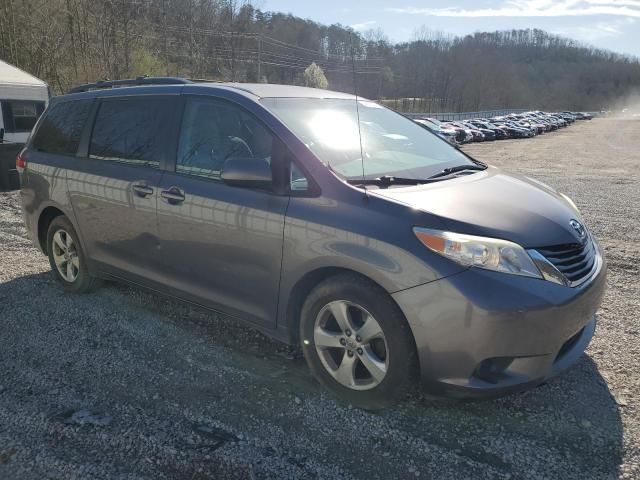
[
  {"x": 16, "y": 84},
  {"x": 23, "y": 97}
]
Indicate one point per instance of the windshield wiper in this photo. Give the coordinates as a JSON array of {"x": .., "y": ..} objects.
[
  {"x": 388, "y": 180},
  {"x": 460, "y": 168}
]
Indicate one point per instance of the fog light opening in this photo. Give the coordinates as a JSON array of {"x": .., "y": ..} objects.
[
  {"x": 492, "y": 369},
  {"x": 568, "y": 345}
]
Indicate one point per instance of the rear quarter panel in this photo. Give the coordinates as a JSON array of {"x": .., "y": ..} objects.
[{"x": 44, "y": 184}]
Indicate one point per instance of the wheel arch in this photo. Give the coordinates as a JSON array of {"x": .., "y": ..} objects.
[
  {"x": 44, "y": 220},
  {"x": 308, "y": 282}
]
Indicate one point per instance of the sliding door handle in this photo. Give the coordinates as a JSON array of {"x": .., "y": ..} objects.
[
  {"x": 173, "y": 195},
  {"x": 142, "y": 190}
]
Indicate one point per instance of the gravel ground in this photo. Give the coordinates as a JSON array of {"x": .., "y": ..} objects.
[{"x": 125, "y": 384}]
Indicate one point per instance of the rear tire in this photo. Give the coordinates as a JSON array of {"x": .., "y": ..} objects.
[
  {"x": 67, "y": 259},
  {"x": 357, "y": 342}
]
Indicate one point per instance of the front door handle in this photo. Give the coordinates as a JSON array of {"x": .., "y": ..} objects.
[
  {"x": 142, "y": 190},
  {"x": 173, "y": 195}
]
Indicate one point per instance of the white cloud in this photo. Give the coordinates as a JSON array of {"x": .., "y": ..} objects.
[
  {"x": 364, "y": 25},
  {"x": 599, "y": 30},
  {"x": 620, "y": 3},
  {"x": 534, "y": 8}
]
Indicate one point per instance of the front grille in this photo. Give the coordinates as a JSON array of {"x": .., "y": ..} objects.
[{"x": 574, "y": 261}]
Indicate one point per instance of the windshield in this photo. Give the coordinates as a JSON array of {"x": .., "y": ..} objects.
[{"x": 392, "y": 145}]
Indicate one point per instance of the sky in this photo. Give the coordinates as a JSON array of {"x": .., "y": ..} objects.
[{"x": 609, "y": 24}]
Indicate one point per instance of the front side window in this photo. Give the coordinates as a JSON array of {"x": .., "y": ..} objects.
[
  {"x": 297, "y": 180},
  {"x": 214, "y": 131},
  {"x": 384, "y": 143},
  {"x": 132, "y": 130},
  {"x": 62, "y": 127}
]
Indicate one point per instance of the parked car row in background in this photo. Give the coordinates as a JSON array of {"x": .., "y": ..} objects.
[{"x": 514, "y": 125}]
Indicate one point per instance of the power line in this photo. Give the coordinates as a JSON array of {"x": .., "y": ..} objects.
[
  {"x": 263, "y": 38},
  {"x": 240, "y": 54}
]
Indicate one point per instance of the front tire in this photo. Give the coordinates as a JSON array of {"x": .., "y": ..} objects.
[
  {"x": 357, "y": 342},
  {"x": 66, "y": 257}
]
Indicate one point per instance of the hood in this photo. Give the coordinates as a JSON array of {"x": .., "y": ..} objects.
[{"x": 491, "y": 203}]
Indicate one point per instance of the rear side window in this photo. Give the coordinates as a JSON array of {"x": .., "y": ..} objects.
[
  {"x": 61, "y": 128},
  {"x": 132, "y": 130}
]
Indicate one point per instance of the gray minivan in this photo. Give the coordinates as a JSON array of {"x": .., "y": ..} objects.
[{"x": 322, "y": 219}]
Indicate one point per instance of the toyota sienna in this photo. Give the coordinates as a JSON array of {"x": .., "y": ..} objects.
[{"x": 322, "y": 219}]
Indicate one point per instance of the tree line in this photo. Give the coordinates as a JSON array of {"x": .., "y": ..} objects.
[{"x": 67, "y": 42}]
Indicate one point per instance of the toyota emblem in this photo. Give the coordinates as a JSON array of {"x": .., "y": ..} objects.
[{"x": 577, "y": 226}]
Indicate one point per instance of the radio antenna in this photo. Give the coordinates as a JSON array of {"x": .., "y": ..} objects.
[{"x": 355, "y": 92}]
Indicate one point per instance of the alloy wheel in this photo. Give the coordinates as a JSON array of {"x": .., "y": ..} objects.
[
  {"x": 65, "y": 255},
  {"x": 351, "y": 345}
]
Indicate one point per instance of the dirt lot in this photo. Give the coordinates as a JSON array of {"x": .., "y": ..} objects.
[{"x": 124, "y": 384}]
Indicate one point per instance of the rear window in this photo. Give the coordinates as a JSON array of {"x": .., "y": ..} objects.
[
  {"x": 61, "y": 127},
  {"x": 20, "y": 115},
  {"x": 132, "y": 130}
]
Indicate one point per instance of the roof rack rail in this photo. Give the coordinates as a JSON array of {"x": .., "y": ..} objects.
[
  {"x": 144, "y": 80},
  {"x": 204, "y": 80}
]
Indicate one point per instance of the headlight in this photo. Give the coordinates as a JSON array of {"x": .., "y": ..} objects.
[{"x": 489, "y": 253}]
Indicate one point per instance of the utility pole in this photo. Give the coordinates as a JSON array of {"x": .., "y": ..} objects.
[
  {"x": 127, "y": 16},
  {"x": 14, "y": 36},
  {"x": 191, "y": 60},
  {"x": 164, "y": 24},
  {"x": 73, "y": 40},
  {"x": 259, "y": 58}
]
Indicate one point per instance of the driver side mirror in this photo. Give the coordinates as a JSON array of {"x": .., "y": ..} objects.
[{"x": 247, "y": 172}]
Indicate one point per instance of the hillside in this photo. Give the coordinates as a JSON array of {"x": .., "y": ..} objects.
[{"x": 67, "y": 42}]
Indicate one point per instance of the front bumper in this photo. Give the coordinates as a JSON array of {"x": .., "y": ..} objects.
[{"x": 484, "y": 333}]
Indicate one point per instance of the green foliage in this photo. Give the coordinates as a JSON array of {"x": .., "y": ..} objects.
[
  {"x": 144, "y": 63},
  {"x": 314, "y": 77}
]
